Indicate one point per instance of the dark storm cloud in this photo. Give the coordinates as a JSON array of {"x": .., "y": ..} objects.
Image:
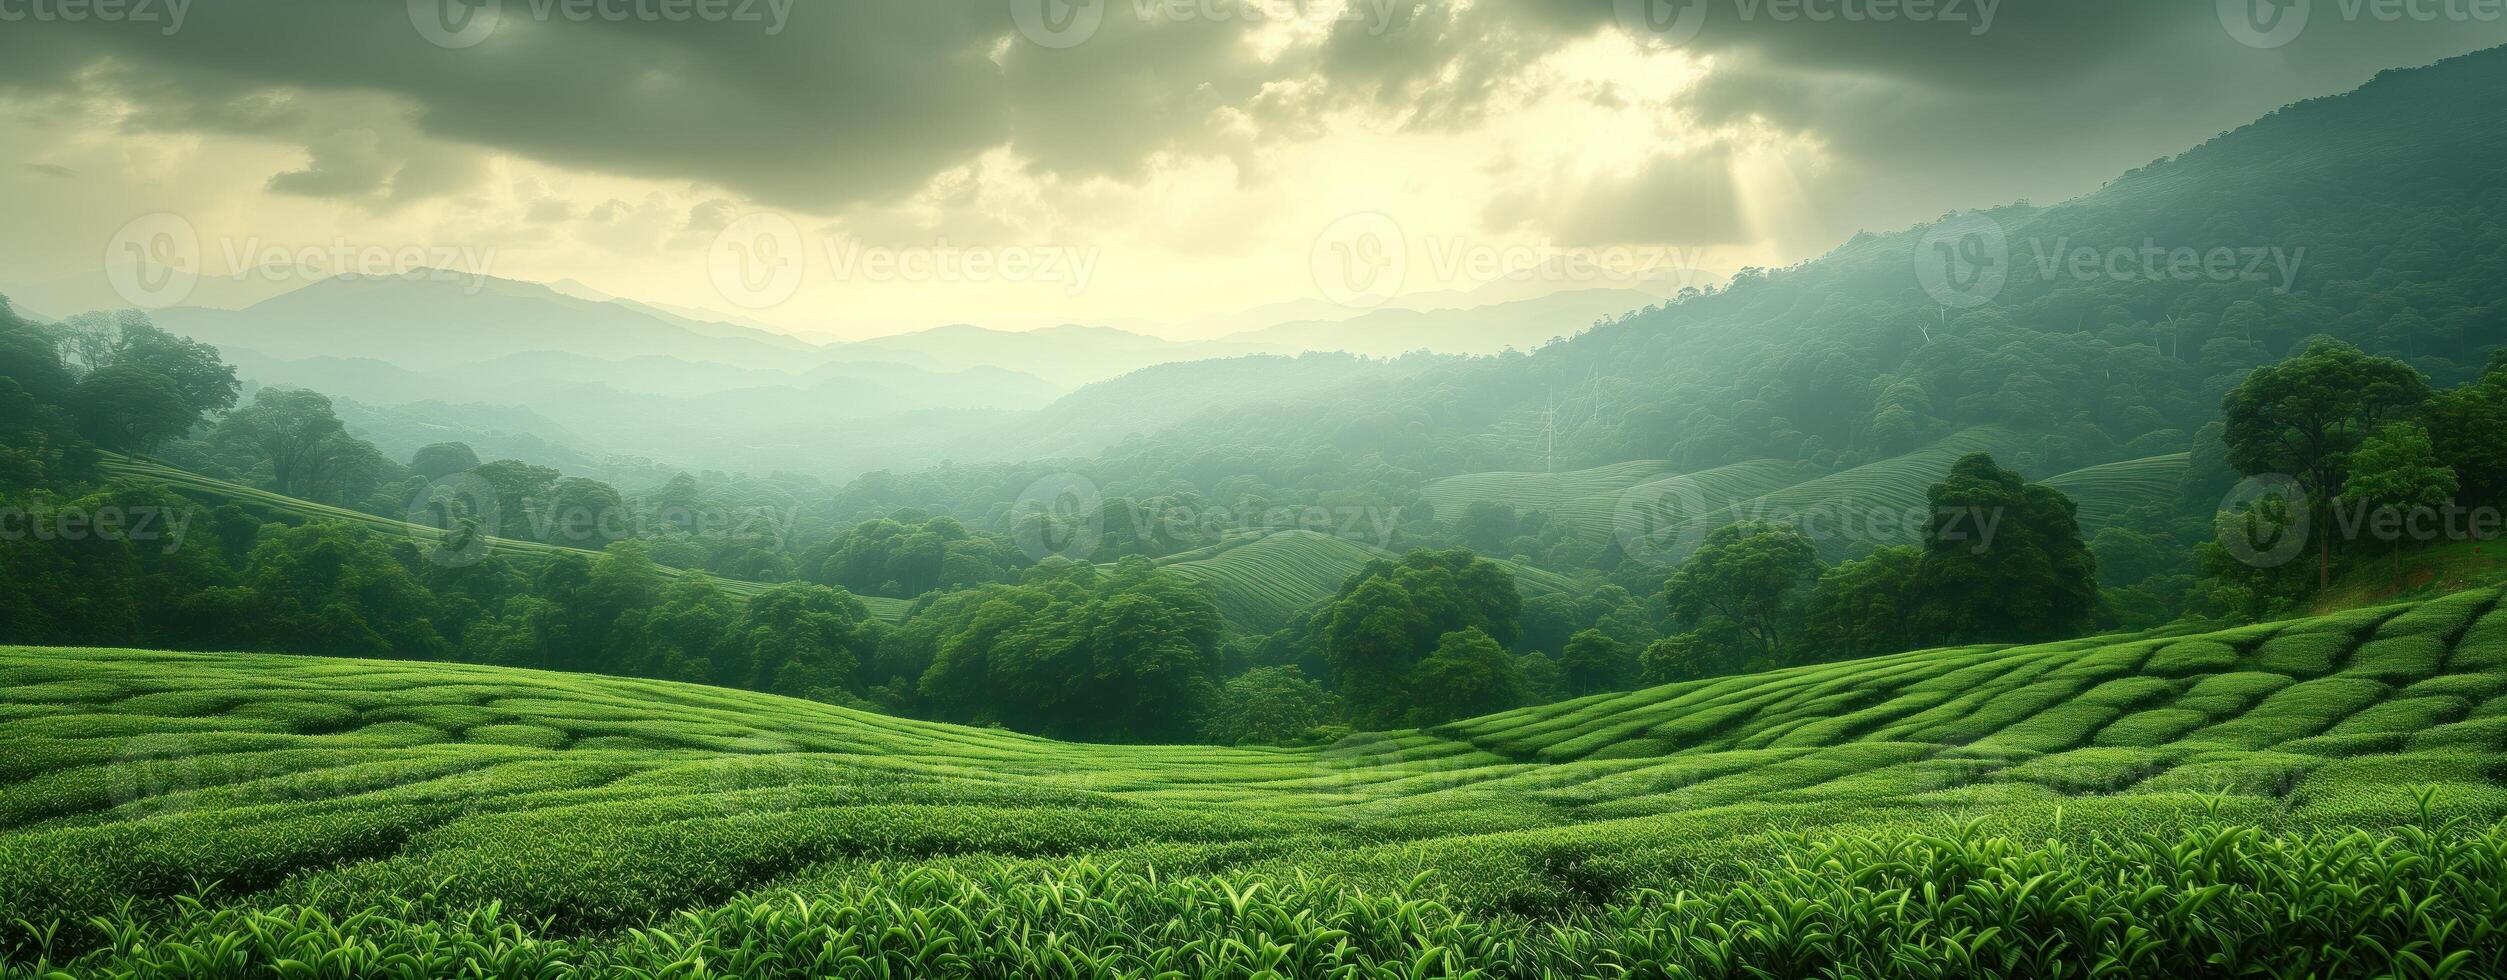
[{"x": 821, "y": 105}]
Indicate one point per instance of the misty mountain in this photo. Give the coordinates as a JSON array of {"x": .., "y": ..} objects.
[
  {"x": 429, "y": 321},
  {"x": 2378, "y": 217},
  {"x": 1069, "y": 355},
  {"x": 1520, "y": 324}
]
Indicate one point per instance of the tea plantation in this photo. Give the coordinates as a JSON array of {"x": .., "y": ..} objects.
[{"x": 2319, "y": 797}]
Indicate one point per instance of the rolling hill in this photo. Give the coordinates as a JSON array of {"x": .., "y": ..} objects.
[
  {"x": 1592, "y": 501},
  {"x": 526, "y": 552},
  {"x": 1878, "y": 503},
  {"x": 1264, "y": 580},
  {"x": 2106, "y": 491},
  {"x": 1843, "y": 818}
]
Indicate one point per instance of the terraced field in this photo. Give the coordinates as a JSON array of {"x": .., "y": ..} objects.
[
  {"x": 526, "y": 552},
  {"x": 1264, "y": 580},
  {"x": 1876, "y": 503},
  {"x": 2105, "y": 492},
  {"x": 2321, "y": 794},
  {"x": 1591, "y": 502}
]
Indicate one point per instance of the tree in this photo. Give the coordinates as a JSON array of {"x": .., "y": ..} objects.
[
  {"x": 443, "y": 459},
  {"x": 1267, "y": 706},
  {"x": 289, "y": 430},
  {"x": 803, "y": 640},
  {"x": 2003, "y": 559},
  {"x": 129, "y": 409},
  {"x": 2396, "y": 472},
  {"x": 2465, "y": 428},
  {"x": 680, "y": 638},
  {"x": 521, "y": 491},
  {"x": 1075, "y": 652},
  {"x": 1863, "y": 607},
  {"x": 1392, "y": 614},
  {"x": 337, "y": 589},
  {"x": 1746, "y": 574},
  {"x": 2305, "y": 415},
  {"x": 1689, "y": 656},
  {"x": 1594, "y": 662},
  {"x": 1486, "y": 525},
  {"x": 127, "y": 341},
  {"x": 1468, "y": 674},
  {"x": 584, "y": 513}
]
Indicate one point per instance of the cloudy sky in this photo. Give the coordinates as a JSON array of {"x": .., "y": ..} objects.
[{"x": 861, "y": 165}]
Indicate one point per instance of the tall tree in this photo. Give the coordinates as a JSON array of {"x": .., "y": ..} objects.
[
  {"x": 443, "y": 459},
  {"x": 1864, "y": 607},
  {"x": 2466, "y": 424},
  {"x": 129, "y": 409},
  {"x": 1594, "y": 662},
  {"x": 1467, "y": 674},
  {"x": 1747, "y": 574},
  {"x": 2396, "y": 472},
  {"x": 1393, "y": 614},
  {"x": 2304, "y": 416},
  {"x": 2003, "y": 559},
  {"x": 290, "y": 430}
]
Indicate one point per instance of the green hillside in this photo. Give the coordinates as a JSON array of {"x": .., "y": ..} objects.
[
  {"x": 2106, "y": 491},
  {"x": 1876, "y": 503},
  {"x": 349, "y": 811},
  {"x": 528, "y": 552},
  {"x": 1590, "y": 501},
  {"x": 1263, "y": 581}
]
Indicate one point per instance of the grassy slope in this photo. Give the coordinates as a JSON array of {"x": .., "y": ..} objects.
[
  {"x": 1877, "y": 503},
  {"x": 1591, "y": 501},
  {"x": 1262, "y": 581},
  {"x": 600, "y": 802},
  {"x": 528, "y": 552},
  {"x": 1645, "y": 495},
  {"x": 2106, "y": 491}
]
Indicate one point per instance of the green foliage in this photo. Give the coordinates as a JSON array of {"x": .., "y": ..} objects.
[
  {"x": 1124, "y": 654},
  {"x": 396, "y": 801},
  {"x": 1268, "y": 706},
  {"x": 1868, "y": 905},
  {"x": 1467, "y": 674},
  {"x": 2192, "y": 657},
  {"x": 1594, "y": 662},
  {"x": 1393, "y": 615},
  {"x": 1747, "y": 575},
  {"x": 2305, "y": 416},
  {"x": 2003, "y": 559},
  {"x": 1868, "y": 605}
]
